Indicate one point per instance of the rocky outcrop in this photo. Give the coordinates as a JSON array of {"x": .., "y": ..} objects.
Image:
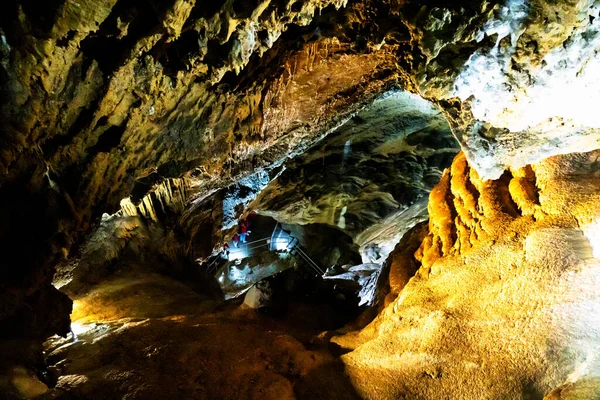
[
  {"x": 369, "y": 178},
  {"x": 380, "y": 162},
  {"x": 150, "y": 336},
  {"x": 530, "y": 91},
  {"x": 402, "y": 263},
  {"x": 504, "y": 302},
  {"x": 103, "y": 101},
  {"x": 259, "y": 295},
  {"x": 103, "y": 98},
  {"x": 465, "y": 210},
  {"x": 364, "y": 277},
  {"x": 96, "y": 124},
  {"x": 584, "y": 388}
]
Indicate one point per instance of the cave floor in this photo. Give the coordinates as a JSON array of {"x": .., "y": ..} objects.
[{"x": 151, "y": 337}]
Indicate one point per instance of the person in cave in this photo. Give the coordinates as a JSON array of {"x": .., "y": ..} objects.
[
  {"x": 225, "y": 253},
  {"x": 236, "y": 240},
  {"x": 244, "y": 232}
]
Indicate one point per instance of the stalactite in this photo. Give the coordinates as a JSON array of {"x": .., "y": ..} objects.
[
  {"x": 171, "y": 194},
  {"x": 128, "y": 208}
]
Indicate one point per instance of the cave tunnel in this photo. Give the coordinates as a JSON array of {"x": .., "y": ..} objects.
[{"x": 299, "y": 200}]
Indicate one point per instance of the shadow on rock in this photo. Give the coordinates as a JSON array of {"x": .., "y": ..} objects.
[{"x": 328, "y": 381}]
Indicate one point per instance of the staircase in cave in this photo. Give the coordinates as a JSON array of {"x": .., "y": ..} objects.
[
  {"x": 280, "y": 240},
  {"x": 299, "y": 250}
]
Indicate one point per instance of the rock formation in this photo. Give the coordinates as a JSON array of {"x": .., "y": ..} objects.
[
  {"x": 130, "y": 127},
  {"x": 504, "y": 302},
  {"x": 185, "y": 87},
  {"x": 381, "y": 162}
]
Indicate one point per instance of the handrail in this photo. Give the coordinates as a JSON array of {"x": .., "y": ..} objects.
[
  {"x": 210, "y": 267},
  {"x": 250, "y": 247},
  {"x": 238, "y": 249},
  {"x": 255, "y": 241},
  {"x": 214, "y": 262},
  {"x": 314, "y": 264},
  {"x": 306, "y": 258},
  {"x": 246, "y": 245}
]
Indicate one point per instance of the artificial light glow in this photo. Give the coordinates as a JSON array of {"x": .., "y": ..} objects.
[
  {"x": 239, "y": 274},
  {"x": 79, "y": 329},
  {"x": 281, "y": 244},
  {"x": 237, "y": 253}
]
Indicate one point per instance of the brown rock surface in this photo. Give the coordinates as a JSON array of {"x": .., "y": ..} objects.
[
  {"x": 504, "y": 304},
  {"x": 146, "y": 336},
  {"x": 101, "y": 100},
  {"x": 160, "y": 102}
]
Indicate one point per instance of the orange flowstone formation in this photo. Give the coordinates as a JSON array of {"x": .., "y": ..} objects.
[{"x": 504, "y": 302}]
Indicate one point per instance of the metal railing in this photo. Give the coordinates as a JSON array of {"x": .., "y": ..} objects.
[
  {"x": 249, "y": 247},
  {"x": 272, "y": 243},
  {"x": 243, "y": 250},
  {"x": 309, "y": 260}
]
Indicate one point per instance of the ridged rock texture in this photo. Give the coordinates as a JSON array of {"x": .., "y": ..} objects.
[
  {"x": 100, "y": 96},
  {"x": 107, "y": 100},
  {"x": 381, "y": 162},
  {"x": 504, "y": 304}
]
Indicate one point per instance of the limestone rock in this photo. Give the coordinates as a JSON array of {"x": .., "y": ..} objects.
[
  {"x": 402, "y": 263},
  {"x": 582, "y": 388},
  {"x": 379, "y": 163},
  {"x": 365, "y": 276},
  {"x": 108, "y": 100},
  {"x": 504, "y": 303},
  {"x": 259, "y": 295}
]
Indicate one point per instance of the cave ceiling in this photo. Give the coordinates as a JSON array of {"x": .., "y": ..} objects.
[
  {"x": 104, "y": 100},
  {"x": 368, "y": 178}
]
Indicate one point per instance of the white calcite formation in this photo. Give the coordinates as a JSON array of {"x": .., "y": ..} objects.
[{"x": 534, "y": 93}]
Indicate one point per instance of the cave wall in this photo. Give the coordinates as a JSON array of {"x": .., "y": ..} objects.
[
  {"x": 383, "y": 160},
  {"x": 106, "y": 98},
  {"x": 103, "y": 100},
  {"x": 504, "y": 302}
]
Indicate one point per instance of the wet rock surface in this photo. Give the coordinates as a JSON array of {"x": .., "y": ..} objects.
[
  {"x": 505, "y": 290},
  {"x": 382, "y": 161},
  {"x": 178, "y": 113}
]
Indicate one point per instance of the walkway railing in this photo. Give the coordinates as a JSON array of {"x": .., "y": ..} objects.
[
  {"x": 278, "y": 241},
  {"x": 247, "y": 249},
  {"x": 308, "y": 260}
]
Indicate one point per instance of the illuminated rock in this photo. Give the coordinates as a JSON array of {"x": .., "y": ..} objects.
[
  {"x": 258, "y": 296},
  {"x": 166, "y": 103},
  {"x": 505, "y": 301}
]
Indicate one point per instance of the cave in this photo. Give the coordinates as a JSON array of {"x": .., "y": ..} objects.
[{"x": 334, "y": 199}]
